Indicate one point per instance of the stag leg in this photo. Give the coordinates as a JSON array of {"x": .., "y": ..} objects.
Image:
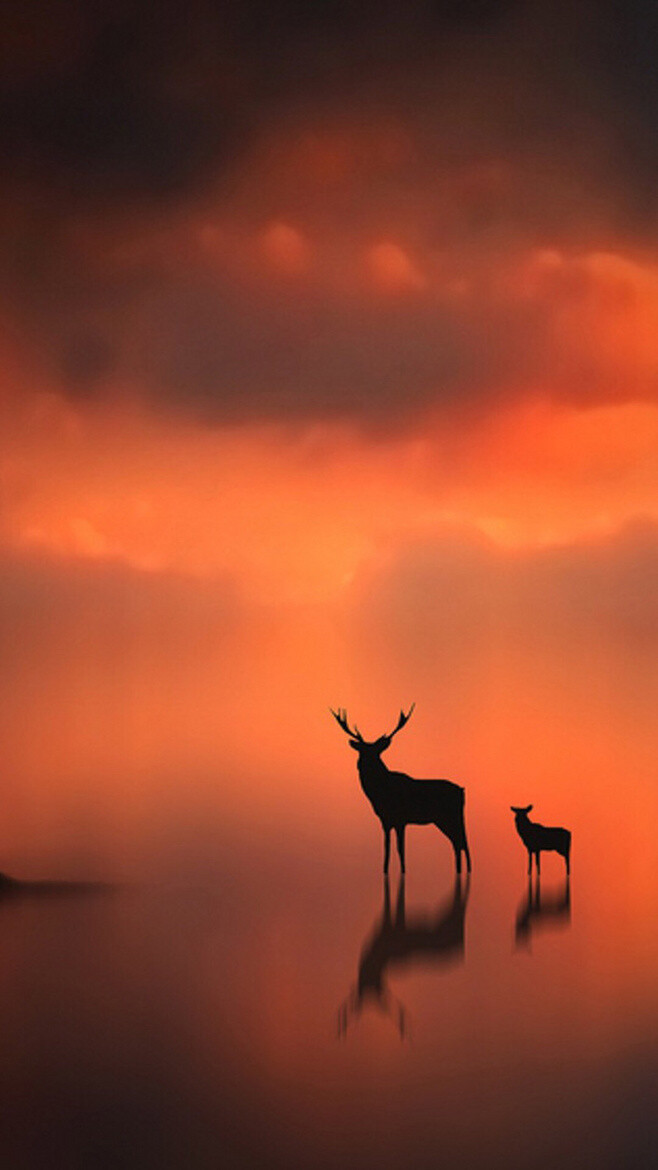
[
  {"x": 458, "y": 857},
  {"x": 399, "y": 833},
  {"x": 538, "y": 865},
  {"x": 387, "y": 847}
]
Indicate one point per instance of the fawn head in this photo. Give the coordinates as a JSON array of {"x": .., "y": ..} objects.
[
  {"x": 375, "y": 748},
  {"x": 521, "y": 812}
]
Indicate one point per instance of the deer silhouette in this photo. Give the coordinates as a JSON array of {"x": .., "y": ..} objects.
[
  {"x": 536, "y": 911},
  {"x": 538, "y": 837},
  {"x": 399, "y": 800},
  {"x": 399, "y": 941}
]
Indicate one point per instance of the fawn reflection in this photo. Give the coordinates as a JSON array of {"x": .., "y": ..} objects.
[
  {"x": 399, "y": 940},
  {"x": 538, "y": 910}
]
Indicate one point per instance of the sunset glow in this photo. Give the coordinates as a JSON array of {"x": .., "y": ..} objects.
[
  {"x": 328, "y": 584},
  {"x": 335, "y": 383}
]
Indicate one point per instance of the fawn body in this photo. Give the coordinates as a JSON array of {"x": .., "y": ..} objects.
[{"x": 540, "y": 838}]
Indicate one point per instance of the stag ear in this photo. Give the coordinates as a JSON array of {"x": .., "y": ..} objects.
[{"x": 354, "y": 743}]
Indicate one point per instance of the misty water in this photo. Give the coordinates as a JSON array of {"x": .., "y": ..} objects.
[{"x": 215, "y": 1022}]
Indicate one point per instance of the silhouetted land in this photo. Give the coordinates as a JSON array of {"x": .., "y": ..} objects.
[{"x": 16, "y": 888}]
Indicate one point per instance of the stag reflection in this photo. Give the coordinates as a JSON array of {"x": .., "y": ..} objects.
[
  {"x": 399, "y": 941},
  {"x": 537, "y": 910}
]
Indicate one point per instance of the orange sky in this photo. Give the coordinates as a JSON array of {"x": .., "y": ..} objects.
[
  {"x": 295, "y": 512},
  {"x": 322, "y": 375}
]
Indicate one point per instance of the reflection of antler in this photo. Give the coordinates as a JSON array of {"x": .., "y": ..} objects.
[
  {"x": 535, "y": 910},
  {"x": 389, "y": 1004},
  {"x": 398, "y": 941}
]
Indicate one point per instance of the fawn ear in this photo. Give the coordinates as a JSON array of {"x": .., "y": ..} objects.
[{"x": 528, "y": 808}]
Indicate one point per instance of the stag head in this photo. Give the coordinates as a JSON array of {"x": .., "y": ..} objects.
[{"x": 365, "y": 747}]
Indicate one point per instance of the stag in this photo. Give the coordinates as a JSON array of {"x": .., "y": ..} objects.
[
  {"x": 399, "y": 800},
  {"x": 399, "y": 941}
]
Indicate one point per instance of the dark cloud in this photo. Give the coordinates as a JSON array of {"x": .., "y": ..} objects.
[
  {"x": 150, "y": 98},
  {"x": 86, "y": 359},
  {"x": 127, "y": 98},
  {"x": 122, "y": 114},
  {"x": 117, "y": 118},
  {"x": 309, "y": 355},
  {"x": 628, "y": 49}
]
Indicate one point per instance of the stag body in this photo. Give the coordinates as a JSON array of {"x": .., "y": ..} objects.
[
  {"x": 400, "y": 800},
  {"x": 537, "y": 838}
]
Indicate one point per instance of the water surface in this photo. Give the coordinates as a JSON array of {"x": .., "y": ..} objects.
[{"x": 289, "y": 1010}]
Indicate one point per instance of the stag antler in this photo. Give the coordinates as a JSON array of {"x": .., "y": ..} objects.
[
  {"x": 341, "y": 718},
  {"x": 402, "y": 721}
]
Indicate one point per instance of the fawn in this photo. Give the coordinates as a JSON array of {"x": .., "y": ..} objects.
[{"x": 537, "y": 837}]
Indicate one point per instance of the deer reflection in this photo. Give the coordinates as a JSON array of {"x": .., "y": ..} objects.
[
  {"x": 398, "y": 941},
  {"x": 538, "y": 910}
]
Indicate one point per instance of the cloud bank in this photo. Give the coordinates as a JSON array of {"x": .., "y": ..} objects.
[{"x": 256, "y": 212}]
